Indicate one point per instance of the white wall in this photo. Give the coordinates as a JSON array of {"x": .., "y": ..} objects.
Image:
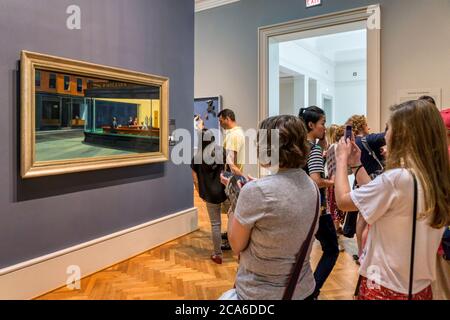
[
  {"x": 350, "y": 99},
  {"x": 351, "y": 92},
  {"x": 334, "y": 80},
  {"x": 302, "y": 61},
  {"x": 287, "y": 96}
]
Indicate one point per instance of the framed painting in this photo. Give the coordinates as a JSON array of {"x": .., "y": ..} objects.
[
  {"x": 206, "y": 111},
  {"x": 78, "y": 116}
]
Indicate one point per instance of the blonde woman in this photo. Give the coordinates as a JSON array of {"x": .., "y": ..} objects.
[
  {"x": 334, "y": 134},
  {"x": 416, "y": 142},
  {"x": 331, "y": 134}
]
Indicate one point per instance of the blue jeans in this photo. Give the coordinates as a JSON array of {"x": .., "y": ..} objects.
[{"x": 330, "y": 247}]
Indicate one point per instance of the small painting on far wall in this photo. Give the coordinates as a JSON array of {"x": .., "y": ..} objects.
[{"x": 206, "y": 110}]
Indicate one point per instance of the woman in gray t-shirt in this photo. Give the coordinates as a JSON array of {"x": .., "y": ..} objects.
[{"x": 273, "y": 218}]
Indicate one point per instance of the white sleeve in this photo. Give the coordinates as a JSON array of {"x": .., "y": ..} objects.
[{"x": 375, "y": 198}]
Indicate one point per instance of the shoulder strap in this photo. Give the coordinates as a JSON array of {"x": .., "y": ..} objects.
[
  {"x": 301, "y": 256},
  {"x": 371, "y": 152},
  {"x": 413, "y": 245}
]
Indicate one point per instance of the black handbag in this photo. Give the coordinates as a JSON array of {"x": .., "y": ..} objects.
[{"x": 349, "y": 228}]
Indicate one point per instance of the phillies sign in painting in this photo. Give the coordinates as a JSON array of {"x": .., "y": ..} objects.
[{"x": 313, "y": 3}]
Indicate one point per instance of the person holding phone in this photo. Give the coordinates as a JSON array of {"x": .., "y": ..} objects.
[
  {"x": 417, "y": 151},
  {"x": 334, "y": 134},
  {"x": 372, "y": 160},
  {"x": 314, "y": 120},
  {"x": 273, "y": 218},
  {"x": 207, "y": 183},
  {"x": 370, "y": 144},
  {"x": 234, "y": 146}
]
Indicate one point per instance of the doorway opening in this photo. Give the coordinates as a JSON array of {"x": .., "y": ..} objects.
[
  {"x": 314, "y": 71},
  {"x": 327, "y": 103},
  {"x": 330, "y": 61}
]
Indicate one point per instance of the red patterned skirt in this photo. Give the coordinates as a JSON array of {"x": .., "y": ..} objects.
[
  {"x": 337, "y": 214},
  {"x": 382, "y": 293}
]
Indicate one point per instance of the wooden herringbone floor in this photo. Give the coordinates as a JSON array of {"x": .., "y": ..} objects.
[{"x": 181, "y": 269}]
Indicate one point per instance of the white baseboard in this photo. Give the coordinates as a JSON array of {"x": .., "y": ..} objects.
[{"x": 36, "y": 277}]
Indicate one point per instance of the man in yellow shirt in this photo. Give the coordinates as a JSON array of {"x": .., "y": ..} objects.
[
  {"x": 234, "y": 142},
  {"x": 234, "y": 145}
]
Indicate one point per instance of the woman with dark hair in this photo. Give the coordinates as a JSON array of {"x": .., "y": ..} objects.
[
  {"x": 407, "y": 207},
  {"x": 429, "y": 99},
  {"x": 314, "y": 119},
  {"x": 206, "y": 172},
  {"x": 273, "y": 218}
]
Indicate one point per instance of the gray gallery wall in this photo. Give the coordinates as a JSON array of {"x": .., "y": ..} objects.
[
  {"x": 415, "y": 48},
  {"x": 43, "y": 215}
]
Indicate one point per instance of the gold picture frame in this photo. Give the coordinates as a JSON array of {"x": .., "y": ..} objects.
[{"x": 31, "y": 167}]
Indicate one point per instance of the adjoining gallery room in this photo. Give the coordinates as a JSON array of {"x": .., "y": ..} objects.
[{"x": 225, "y": 150}]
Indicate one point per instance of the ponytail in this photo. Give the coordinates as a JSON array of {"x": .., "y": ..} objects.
[{"x": 312, "y": 114}]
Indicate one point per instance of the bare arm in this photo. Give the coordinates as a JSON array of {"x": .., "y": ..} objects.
[
  {"x": 347, "y": 153},
  {"x": 360, "y": 228},
  {"x": 321, "y": 182},
  {"x": 342, "y": 189},
  {"x": 232, "y": 163},
  {"x": 361, "y": 176},
  {"x": 238, "y": 235}
]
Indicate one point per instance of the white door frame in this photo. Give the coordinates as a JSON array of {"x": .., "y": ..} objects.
[
  {"x": 331, "y": 98},
  {"x": 363, "y": 14}
]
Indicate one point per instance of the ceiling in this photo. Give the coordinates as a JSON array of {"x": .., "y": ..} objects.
[{"x": 338, "y": 47}]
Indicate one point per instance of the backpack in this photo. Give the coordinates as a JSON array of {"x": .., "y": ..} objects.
[
  {"x": 374, "y": 156},
  {"x": 349, "y": 228},
  {"x": 233, "y": 190}
]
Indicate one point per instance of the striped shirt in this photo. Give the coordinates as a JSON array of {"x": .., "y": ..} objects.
[
  {"x": 316, "y": 164},
  {"x": 315, "y": 160}
]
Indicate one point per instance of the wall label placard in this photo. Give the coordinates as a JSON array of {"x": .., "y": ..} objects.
[
  {"x": 413, "y": 94},
  {"x": 313, "y": 3}
]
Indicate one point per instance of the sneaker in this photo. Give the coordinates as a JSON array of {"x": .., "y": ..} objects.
[
  {"x": 225, "y": 245},
  {"x": 216, "y": 258}
]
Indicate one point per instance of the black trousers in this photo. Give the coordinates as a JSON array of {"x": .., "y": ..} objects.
[{"x": 328, "y": 240}]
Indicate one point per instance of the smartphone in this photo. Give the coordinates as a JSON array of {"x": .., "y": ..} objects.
[
  {"x": 227, "y": 174},
  {"x": 243, "y": 180},
  {"x": 348, "y": 132}
]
